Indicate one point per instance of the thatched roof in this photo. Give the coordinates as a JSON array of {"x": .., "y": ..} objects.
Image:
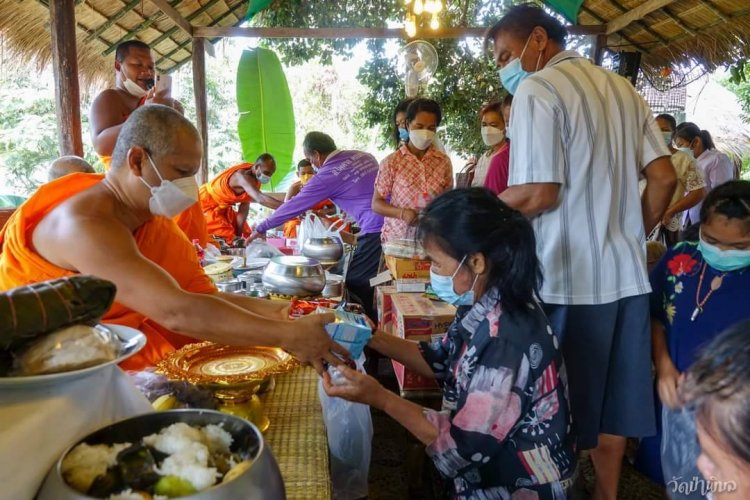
[
  {"x": 103, "y": 24},
  {"x": 711, "y": 33}
]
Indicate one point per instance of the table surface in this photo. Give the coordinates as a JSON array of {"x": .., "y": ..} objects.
[{"x": 297, "y": 435}]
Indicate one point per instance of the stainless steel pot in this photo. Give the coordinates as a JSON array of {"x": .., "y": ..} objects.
[
  {"x": 334, "y": 286},
  {"x": 327, "y": 250},
  {"x": 261, "y": 481},
  {"x": 296, "y": 276},
  {"x": 230, "y": 286},
  {"x": 251, "y": 277}
]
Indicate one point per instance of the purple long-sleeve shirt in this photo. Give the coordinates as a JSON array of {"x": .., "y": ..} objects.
[{"x": 348, "y": 179}]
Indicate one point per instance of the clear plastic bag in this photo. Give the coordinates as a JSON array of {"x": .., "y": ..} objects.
[
  {"x": 261, "y": 249},
  {"x": 349, "y": 429}
]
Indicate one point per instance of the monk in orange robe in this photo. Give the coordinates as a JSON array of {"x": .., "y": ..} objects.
[
  {"x": 117, "y": 227},
  {"x": 238, "y": 185}
]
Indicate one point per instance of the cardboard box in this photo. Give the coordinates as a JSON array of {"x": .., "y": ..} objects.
[
  {"x": 411, "y": 286},
  {"x": 384, "y": 303},
  {"x": 413, "y": 384},
  {"x": 408, "y": 268},
  {"x": 418, "y": 316}
]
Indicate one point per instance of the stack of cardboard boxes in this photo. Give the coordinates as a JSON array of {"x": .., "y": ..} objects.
[{"x": 405, "y": 311}]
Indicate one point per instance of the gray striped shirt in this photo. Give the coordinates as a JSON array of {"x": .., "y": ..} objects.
[{"x": 587, "y": 129}]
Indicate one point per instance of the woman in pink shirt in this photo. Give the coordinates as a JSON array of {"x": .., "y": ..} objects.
[
  {"x": 497, "y": 172},
  {"x": 411, "y": 177}
]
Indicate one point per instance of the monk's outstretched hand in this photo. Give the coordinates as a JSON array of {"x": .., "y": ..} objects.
[{"x": 309, "y": 342}]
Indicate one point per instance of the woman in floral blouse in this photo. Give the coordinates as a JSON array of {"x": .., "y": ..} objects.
[
  {"x": 699, "y": 289},
  {"x": 412, "y": 176},
  {"x": 504, "y": 429}
]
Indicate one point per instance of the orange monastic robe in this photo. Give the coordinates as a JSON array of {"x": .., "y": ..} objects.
[
  {"x": 218, "y": 200},
  {"x": 193, "y": 224},
  {"x": 159, "y": 240}
]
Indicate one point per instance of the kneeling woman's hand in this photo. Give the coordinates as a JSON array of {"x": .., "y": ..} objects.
[{"x": 359, "y": 387}]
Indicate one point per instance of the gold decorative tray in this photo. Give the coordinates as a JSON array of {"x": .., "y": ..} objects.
[{"x": 219, "y": 366}]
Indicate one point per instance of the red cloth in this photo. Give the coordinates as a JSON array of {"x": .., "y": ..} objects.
[{"x": 497, "y": 174}]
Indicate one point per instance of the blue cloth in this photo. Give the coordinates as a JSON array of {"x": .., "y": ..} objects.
[{"x": 674, "y": 282}]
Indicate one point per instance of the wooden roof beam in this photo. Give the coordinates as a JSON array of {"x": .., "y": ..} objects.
[
  {"x": 173, "y": 30},
  {"x": 175, "y": 16},
  {"x": 645, "y": 27},
  {"x": 282, "y": 32},
  {"x": 679, "y": 22},
  {"x": 636, "y": 14},
  {"x": 112, "y": 20},
  {"x": 181, "y": 46},
  {"x": 621, "y": 35}
]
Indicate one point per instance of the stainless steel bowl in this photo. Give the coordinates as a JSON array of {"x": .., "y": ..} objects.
[
  {"x": 327, "y": 250},
  {"x": 296, "y": 276},
  {"x": 229, "y": 286},
  {"x": 334, "y": 286},
  {"x": 261, "y": 481}
]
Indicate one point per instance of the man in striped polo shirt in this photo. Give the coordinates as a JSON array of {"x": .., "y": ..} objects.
[{"x": 581, "y": 137}]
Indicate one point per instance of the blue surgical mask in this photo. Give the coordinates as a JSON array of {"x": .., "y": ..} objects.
[
  {"x": 263, "y": 178},
  {"x": 723, "y": 260},
  {"x": 667, "y": 137},
  {"x": 687, "y": 151},
  {"x": 403, "y": 134},
  {"x": 443, "y": 288},
  {"x": 512, "y": 74}
]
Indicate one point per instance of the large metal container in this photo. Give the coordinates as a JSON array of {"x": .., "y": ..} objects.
[
  {"x": 326, "y": 250},
  {"x": 294, "y": 275},
  {"x": 334, "y": 286},
  {"x": 261, "y": 481}
]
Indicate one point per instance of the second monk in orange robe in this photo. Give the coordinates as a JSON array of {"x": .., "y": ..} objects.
[{"x": 236, "y": 186}]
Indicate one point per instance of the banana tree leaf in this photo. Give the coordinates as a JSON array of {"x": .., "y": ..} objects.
[
  {"x": 255, "y": 6},
  {"x": 568, "y": 8},
  {"x": 266, "y": 123}
]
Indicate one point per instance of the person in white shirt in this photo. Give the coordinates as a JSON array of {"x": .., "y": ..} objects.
[
  {"x": 691, "y": 188},
  {"x": 581, "y": 137},
  {"x": 715, "y": 166}
]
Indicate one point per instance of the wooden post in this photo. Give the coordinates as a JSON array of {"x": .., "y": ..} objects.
[
  {"x": 65, "y": 67},
  {"x": 600, "y": 43},
  {"x": 201, "y": 104}
]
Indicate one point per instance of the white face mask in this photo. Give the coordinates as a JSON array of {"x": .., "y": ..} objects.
[
  {"x": 492, "y": 136},
  {"x": 133, "y": 88},
  {"x": 170, "y": 198},
  {"x": 422, "y": 138}
]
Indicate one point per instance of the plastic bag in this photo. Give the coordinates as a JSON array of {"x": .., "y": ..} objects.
[
  {"x": 261, "y": 249},
  {"x": 679, "y": 453},
  {"x": 349, "y": 429},
  {"x": 313, "y": 227}
]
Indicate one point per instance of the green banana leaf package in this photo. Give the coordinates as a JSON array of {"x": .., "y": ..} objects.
[{"x": 39, "y": 308}]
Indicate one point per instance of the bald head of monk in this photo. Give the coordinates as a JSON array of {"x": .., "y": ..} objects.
[
  {"x": 156, "y": 144},
  {"x": 68, "y": 165}
]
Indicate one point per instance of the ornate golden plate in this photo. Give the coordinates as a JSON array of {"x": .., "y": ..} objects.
[{"x": 213, "y": 365}]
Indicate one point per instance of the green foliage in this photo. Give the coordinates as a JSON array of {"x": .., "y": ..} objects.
[
  {"x": 739, "y": 84},
  {"x": 28, "y": 131},
  {"x": 266, "y": 122},
  {"x": 223, "y": 147},
  {"x": 464, "y": 80}
]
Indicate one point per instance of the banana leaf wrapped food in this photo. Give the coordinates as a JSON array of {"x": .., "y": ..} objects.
[{"x": 32, "y": 310}]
